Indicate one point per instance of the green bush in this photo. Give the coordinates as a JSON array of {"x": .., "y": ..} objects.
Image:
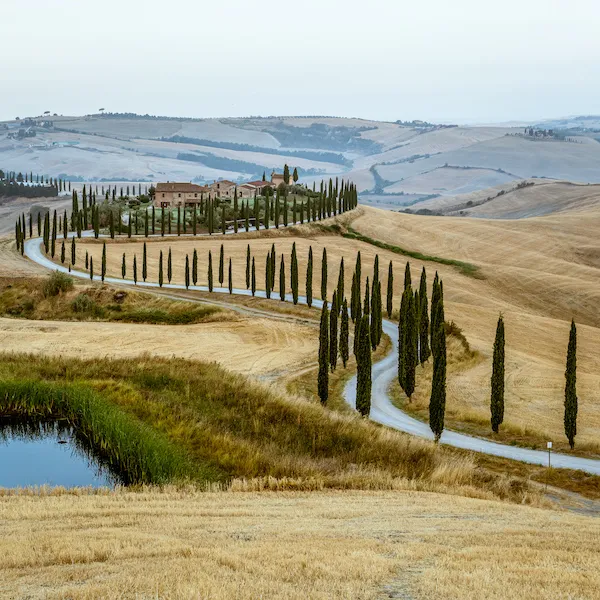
[
  {"x": 83, "y": 304},
  {"x": 56, "y": 283}
]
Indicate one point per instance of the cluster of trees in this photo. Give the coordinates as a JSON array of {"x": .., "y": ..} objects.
[{"x": 211, "y": 214}]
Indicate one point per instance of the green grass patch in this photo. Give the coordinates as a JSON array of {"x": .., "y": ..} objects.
[
  {"x": 30, "y": 299},
  {"x": 135, "y": 452},
  {"x": 465, "y": 268}
]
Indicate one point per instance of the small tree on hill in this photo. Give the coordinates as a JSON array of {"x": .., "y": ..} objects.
[
  {"x": 363, "y": 368},
  {"x": 497, "y": 398},
  {"x": 323, "y": 376},
  {"x": 344, "y": 334},
  {"x": 570, "y": 388}
]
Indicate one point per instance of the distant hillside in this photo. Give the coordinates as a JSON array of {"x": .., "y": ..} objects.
[{"x": 397, "y": 163}]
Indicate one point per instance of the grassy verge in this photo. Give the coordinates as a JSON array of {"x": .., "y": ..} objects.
[
  {"x": 49, "y": 299},
  {"x": 230, "y": 429},
  {"x": 465, "y": 268},
  {"x": 135, "y": 452}
]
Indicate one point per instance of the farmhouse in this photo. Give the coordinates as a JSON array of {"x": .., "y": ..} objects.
[
  {"x": 179, "y": 194},
  {"x": 223, "y": 188},
  {"x": 277, "y": 179}
]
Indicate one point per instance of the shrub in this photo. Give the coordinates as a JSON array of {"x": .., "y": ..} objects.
[
  {"x": 56, "y": 283},
  {"x": 83, "y": 304}
]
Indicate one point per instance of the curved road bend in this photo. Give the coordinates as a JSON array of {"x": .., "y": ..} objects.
[{"x": 383, "y": 374}]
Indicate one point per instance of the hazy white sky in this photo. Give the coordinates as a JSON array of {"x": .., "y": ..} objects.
[{"x": 466, "y": 60}]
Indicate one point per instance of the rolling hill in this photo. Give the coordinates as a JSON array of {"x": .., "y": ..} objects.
[{"x": 397, "y": 163}]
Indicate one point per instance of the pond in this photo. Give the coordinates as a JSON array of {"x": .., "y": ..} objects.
[{"x": 35, "y": 453}]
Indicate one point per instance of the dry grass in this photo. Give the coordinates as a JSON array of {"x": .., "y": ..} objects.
[{"x": 182, "y": 544}]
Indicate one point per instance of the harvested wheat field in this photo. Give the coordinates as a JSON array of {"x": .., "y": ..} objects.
[
  {"x": 538, "y": 272},
  {"x": 253, "y": 346},
  {"x": 292, "y": 545}
]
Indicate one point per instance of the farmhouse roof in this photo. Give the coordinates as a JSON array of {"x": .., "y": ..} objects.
[{"x": 180, "y": 187}]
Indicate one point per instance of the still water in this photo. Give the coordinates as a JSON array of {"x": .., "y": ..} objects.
[{"x": 47, "y": 453}]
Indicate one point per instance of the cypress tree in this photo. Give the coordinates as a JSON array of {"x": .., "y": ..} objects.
[
  {"x": 424, "y": 351},
  {"x": 129, "y": 226},
  {"x": 103, "y": 272},
  {"x": 210, "y": 272},
  {"x": 282, "y": 280},
  {"x": 223, "y": 224},
  {"x": 570, "y": 388},
  {"x": 366, "y": 304},
  {"x": 62, "y": 252},
  {"x": 323, "y": 376},
  {"x": 144, "y": 263},
  {"x": 154, "y": 221},
  {"x": 309, "y": 277},
  {"x": 390, "y": 290},
  {"x": 187, "y": 271},
  {"x": 333, "y": 333},
  {"x": 294, "y": 274},
  {"x": 435, "y": 298},
  {"x": 146, "y": 228},
  {"x": 134, "y": 269},
  {"x": 363, "y": 368},
  {"x": 324, "y": 275},
  {"x": 407, "y": 278},
  {"x": 195, "y": 267},
  {"x": 410, "y": 356},
  {"x": 73, "y": 251},
  {"x": 402, "y": 348},
  {"x": 273, "y": 266},
  {"x": 169, "y": 266},
  {"x": 39, "y": 224},
  {"x": 437, "y": 403},
  {"x": 91, "y": 268},
  {"x": 497, "y": 397},
  {"x": 87, "y": 260},
  {"x": 268, "y": 268},
  {"x": 230, "y": 278},
  {"x": 123, "y": 267},
  {"x": 344, "y": 334},
  {"x": 221, "y": 266},
  {"x": 160, "y": 270},
  {"x": 253, "y": 282},
  {"x": 111, "y": 224},
  {"x": 248, "y": 266},
  {"x": 340, "y": 286},
  {"x": 162, "y": 222}
]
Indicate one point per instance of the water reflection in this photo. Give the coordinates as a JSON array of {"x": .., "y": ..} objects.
[{"x": 36, "y": 452}]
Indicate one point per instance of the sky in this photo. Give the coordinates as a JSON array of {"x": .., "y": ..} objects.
[{"x": 466, "y": 61}]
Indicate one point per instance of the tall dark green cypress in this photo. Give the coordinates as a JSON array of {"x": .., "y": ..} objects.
[
  {"x": 268, "y": 268},
  {"x": 73, "y": 251},
  {"x": 309, "y": 277},
  {"x": 570, "y": 387},
  {"x": 363, "y": 368},
  {"x": 437, "y": 403},
  {"x": 390, "y": 290},
  {"x": 323, "y": 376},
  {"x": 324, "y": 275},
  {"x": 435, "y": 299},
  {"x": 294, "y": 274},
  {"x": 160, "y": 270},
  {"x": 253, "y": 279},
  {"x": 92, "y": 268},
  {"x": 344, "y": 334},
  {"x": 424, "y": 350},
  {"x": 62, "y": 252},
  {"x": 123, "y": 267},
  {"x": 248, "y": 266},
  {"x": 407, "y": 278},
  {"x": 210, "y": 272},
  {"x": 497, "y": 384},
  {"x": 340, "y": 286},
  {"x": 221, "y": 265},
  {"x": 333, "y": 333},
  {"x": 195, "y": 267},
  {"x": 273, "y": 267},
  {"x": 410, "y": 340},
  {"x": 402, "y": 337},
  {"x": 187, "y": 271},
  {"x": 230, "y": 278},
  {"x": 103, "y": 272},
  {"x": 282, "y": 280},
  {"x": 169, "y": 266},
  {"x": 144, "y": 263}
]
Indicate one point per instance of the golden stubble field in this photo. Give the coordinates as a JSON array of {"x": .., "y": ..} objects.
[
  {"x": 225, "y": 545},
  {"x": 537, "y": 272}
]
